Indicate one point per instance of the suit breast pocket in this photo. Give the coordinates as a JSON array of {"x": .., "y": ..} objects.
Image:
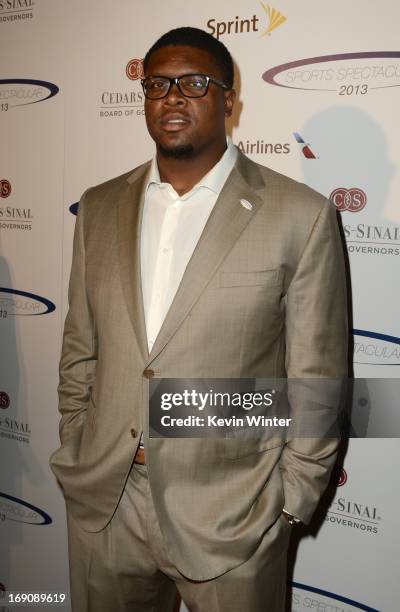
[
  {"x": 251, "y": 278},
  {"x": 253, "y": 298}
]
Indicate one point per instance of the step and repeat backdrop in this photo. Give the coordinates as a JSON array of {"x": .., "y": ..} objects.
[{"x": 318, "y": 95}]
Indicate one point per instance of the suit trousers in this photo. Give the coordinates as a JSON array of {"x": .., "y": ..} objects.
[{"x": 125, "y": 567}]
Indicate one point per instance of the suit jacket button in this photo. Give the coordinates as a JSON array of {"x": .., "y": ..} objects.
[
  {"x": 133, "y": 433},
  {"x": 148, "y": 373}
]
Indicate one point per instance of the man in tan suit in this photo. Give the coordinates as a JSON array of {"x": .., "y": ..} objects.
[{"x": 199, "y": 264}]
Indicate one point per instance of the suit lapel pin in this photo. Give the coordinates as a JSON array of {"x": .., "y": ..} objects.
[{"x": 246, "y": 204}]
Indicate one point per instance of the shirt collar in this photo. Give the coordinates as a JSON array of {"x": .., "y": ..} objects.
[{"x": 213, "y": 180}]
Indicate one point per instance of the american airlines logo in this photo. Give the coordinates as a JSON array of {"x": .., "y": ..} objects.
[{"x": 305, "y": 147}]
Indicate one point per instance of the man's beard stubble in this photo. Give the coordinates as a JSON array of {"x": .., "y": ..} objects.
[{"x": 178, "y": 152}]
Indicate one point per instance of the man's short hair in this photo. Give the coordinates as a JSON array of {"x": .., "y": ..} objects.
[{"x": 194, "y": 37}]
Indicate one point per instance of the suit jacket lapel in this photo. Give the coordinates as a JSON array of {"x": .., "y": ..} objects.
[
  {"x": 224, "y": 226},
  {"x": 130, "y": 211}
]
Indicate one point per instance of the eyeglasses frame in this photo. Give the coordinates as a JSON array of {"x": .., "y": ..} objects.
[{"x": 175, "y": 81}]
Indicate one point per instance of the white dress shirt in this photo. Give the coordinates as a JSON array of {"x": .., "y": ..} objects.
[{"x": 171, "y": 228}]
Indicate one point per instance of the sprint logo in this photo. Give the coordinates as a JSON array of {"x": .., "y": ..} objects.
[
  {"x": 274, "y": 18},
  {"x": 238, "y": 25}
]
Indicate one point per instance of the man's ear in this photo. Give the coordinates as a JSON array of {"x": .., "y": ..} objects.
[{"x": 229, "y": 100}]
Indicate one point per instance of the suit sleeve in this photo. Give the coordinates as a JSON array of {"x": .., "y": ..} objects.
[
  {"x": 316, "y": 349},
  {"x": 79, "y": 347}
]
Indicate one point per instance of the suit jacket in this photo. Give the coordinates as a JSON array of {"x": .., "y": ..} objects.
[{"x": 262, "y": 296}]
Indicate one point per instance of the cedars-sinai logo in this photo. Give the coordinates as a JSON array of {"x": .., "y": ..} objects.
[
  {"x": 124, "y": 101},
  {"x": 339, "y": 476},
  {"x": 134, "y": 69},
  {"x": 5, "y": 188},
  {"x": 342, "y": 477},
  {"x": 4, "y": 400},
  {"x": 16, "y": 10},
  {"x": 348, "y": 200}
]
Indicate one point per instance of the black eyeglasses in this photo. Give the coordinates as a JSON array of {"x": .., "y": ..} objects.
[{"x": 189, "y": 85}]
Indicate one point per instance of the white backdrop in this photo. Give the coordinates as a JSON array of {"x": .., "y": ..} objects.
[{"x": 324, "y": 114}]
